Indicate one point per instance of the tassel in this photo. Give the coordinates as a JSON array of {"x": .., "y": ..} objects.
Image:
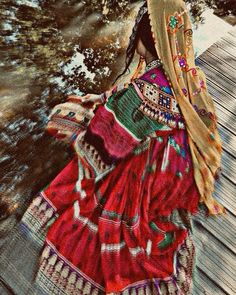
[
  {"x": 49, "y": 213},
  {"x": 65, "y": 272},
  {"x": 148, "y": 291},
  {"x": 46, "y": 252},
  {"x": 37, "y": 201},
  {"x": 171, "y": 288},
  {"x": 59, "y": 266},
  {"x": 52, "y": 260},
  {"x": 79, "y": 284},
  {"x": 95, "y": 292},
  {"x": 87, "y": 288},
  {"x": 141, "y": 291},
  {"x": 43, "y": 207}
]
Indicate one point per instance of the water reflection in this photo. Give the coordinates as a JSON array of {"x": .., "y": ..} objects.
[{"x": 49, "y": 49}]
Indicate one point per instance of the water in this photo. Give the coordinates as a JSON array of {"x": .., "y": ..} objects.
[{"x": 49, "y": 49}]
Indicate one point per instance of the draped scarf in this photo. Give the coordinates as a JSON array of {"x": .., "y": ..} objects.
[{"x": 172, "y": 33}]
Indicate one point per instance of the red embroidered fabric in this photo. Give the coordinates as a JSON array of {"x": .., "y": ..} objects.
[{"x": 124, "y": 232}]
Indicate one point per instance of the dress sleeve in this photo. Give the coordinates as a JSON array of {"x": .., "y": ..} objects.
[
  {"x": 118, "y": 127},
  {"x": 67, "y": 120}
]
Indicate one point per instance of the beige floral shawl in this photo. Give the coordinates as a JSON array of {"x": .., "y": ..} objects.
[{"x": 172, "y": 33}]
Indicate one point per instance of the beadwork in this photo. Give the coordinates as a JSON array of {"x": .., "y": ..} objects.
[
  {"x": 174, "y": 22},
  {"x": 159, "y": 105},
  {"x": 183, "y": 62},
  {"x": 153, "y": 64}
]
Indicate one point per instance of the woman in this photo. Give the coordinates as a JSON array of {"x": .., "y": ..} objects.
[{"x": 116, "y": 220}]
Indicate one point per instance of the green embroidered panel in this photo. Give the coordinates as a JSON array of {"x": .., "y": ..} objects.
[{"x": 124, "y": 105}]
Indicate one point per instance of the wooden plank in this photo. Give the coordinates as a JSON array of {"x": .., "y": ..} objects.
[
  {"x": 223, "y": 56},
  {"x": 212, "y": 253},
  {"x": 221, "y": 73},
  {"x": 221, "y": 96},
  {"x": 214, "y": 259},
  {"x": 229, "y": 167},
  {"x": 227, "y": 44},
  {"x": 5, "y": 289},
  {"x": 228, "y": 38},
  {"x": 202, "y": 285},
  {"x": 226, "y": 118},
  {"x": 232, "y": 33},
  {"x": 215, "y": 237},
  {"x": 221, "y": 65},
  {"x": 227, "y": 48},
  {"x": 221, "y": 227},
  {"x": 228, "y": 140},
  {"x": 225, "y": 193},
  {"x": 218, "y": 77},
  {"x": 221, "y": 86}
]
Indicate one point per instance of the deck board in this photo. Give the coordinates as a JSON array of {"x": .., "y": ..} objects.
[
  {"x": 224, "y": 56},
  {"x": 215, "y": 236},
  {"x": 229, "y": 140},
  {"x": 225, "y": 190}
]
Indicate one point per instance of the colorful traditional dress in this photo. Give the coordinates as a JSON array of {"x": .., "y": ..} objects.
[{"x": 116, "y": 218}]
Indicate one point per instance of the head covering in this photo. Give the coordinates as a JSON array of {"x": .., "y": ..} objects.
[{"x": 172, "y": 33}]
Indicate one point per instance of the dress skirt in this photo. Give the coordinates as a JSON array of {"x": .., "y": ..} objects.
[
  {"x": 116, "y": 219},
  {"x": 128, "y": 233}
]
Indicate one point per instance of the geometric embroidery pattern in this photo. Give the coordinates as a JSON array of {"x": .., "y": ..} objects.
[{"x": 159, "y": 105}]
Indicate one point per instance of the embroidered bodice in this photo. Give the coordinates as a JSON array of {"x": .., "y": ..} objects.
[{"x": 157, "y": 98}]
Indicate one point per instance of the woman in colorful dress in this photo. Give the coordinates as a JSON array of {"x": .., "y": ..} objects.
[{"x": 116, "y": 220}]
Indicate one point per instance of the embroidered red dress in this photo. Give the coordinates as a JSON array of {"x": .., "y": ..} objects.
[{"x": 116, "y": 218}]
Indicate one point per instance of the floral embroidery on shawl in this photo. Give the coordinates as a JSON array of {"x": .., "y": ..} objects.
[{"x": 174, "y": 22}]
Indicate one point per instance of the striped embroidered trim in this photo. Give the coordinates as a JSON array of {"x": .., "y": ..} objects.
[
  {"x": 142, "y": 147},
  {"x": 92, "y": 157},
  {"x": 177, "y": 147},
  {"x": 35, "y": 219},
  {"x": 133, "y": 251},
  {"x": 58, "y": 122},
  {"x": 80, "y": 178},
  {"x": 165, "y": 161},
  {"x": 76, "y": 210},
  {"x": 114, "y": 215},
  {"x": 92, "y": 226},
  {"x": 58, "y": 276},
  {"x": 112, "y": 247}
]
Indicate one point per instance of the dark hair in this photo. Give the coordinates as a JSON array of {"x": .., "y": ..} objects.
[
  {"x": 145, "y": 34},
  {"x": 142, "y": 30}
]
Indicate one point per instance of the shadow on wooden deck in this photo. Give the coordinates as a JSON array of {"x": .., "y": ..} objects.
[{"x": 215, "y": 237}]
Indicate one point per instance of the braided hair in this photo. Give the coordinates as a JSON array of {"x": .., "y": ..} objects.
[{"x": 141, "y": 30}]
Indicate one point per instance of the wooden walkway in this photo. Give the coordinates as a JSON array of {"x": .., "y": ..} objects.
[{"x": 215, "y": 237}]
